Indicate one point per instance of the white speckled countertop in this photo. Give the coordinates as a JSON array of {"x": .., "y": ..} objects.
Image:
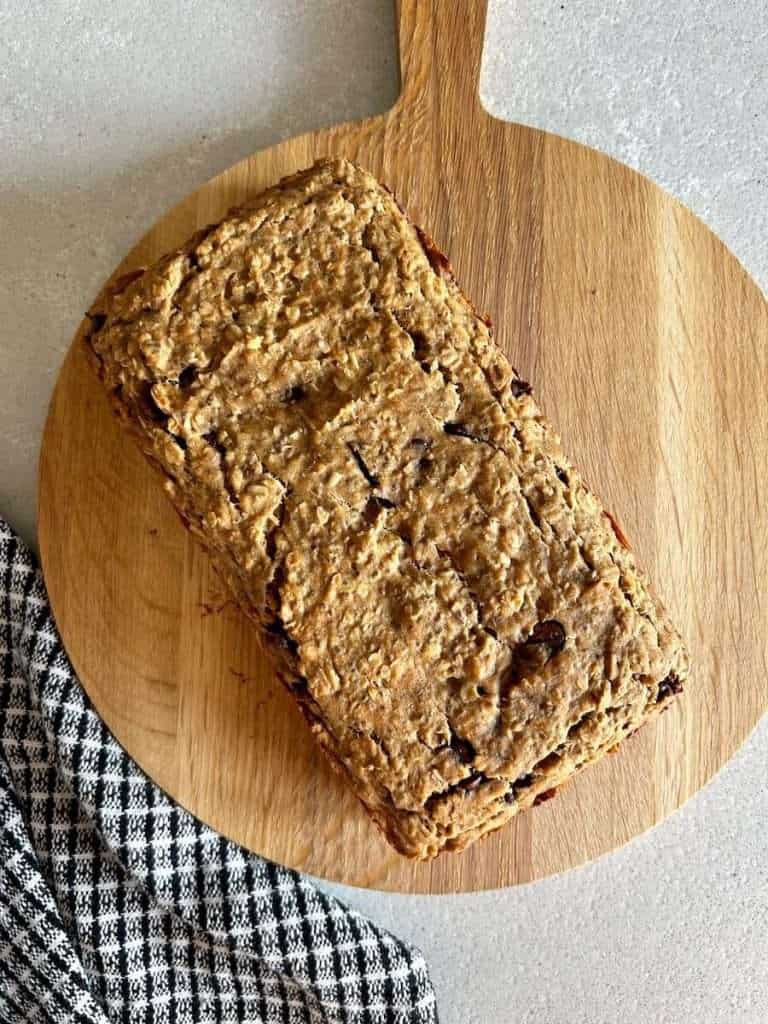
[{"x": 110, "y": 113}]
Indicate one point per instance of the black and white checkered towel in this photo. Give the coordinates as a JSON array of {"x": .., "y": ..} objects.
[{"x": 117, "y": 905}]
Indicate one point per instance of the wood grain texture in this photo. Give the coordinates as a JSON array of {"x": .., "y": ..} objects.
[{"x": 646, "y": 342}]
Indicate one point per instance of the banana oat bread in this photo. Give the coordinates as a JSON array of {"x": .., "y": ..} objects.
[{"x": 461, "y": 623}]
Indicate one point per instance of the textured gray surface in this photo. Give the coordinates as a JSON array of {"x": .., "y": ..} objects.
[
  {"x": 109, "y": 113},
  {"x": 676, "y": 90}
]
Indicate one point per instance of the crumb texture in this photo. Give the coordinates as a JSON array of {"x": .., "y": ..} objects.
[{"x": 461, "y": 622}]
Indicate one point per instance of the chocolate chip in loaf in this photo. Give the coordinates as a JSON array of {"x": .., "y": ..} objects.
[
  {"x": 545, "y": 640},
  {"x": 549, "y": 633},
  {"x": 276, "y": 629},
  {"x": 520, "y": 387},
  {"x": 576, "y": 728},
  {"x": 299, "y": 687},
  {"x": 420, "y": 442},
  {"x": 370, "y": 477},
  {"x": 294, "y": 394},
  {"x": 459, "y": 430},
  {"x": 187, "y": 377},
  {"x": 97, "y": 321},
  {"x": 472, "y": 782},
  {"x": 669, "y": 686},
  {"x": 212, "y": 439},
  {"x": 371, "y": 511},
  {"x": 462, "y": 748},
  {"x": 524, "y": 782},
  {"x": 562, "y": 476},
  {"x": 374, "y": 506},
  {"x": 421, "y": 350}
]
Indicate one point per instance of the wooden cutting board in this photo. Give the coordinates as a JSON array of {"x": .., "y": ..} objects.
[{"x": 646, "y": 342}]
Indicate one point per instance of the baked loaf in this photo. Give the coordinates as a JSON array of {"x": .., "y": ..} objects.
[{"x": 461, "y": 623}]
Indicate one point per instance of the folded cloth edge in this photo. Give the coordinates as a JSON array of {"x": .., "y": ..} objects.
[{"x": 157, "y": 915}]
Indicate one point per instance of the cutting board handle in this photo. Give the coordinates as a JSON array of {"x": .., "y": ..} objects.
[{"x": 441, "y": 46}]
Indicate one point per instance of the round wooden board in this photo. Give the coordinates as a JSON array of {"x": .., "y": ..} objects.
[{"x": 647, "y": 344}]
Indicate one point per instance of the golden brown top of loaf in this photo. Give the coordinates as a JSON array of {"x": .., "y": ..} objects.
[{"x": 382, "y": 492}]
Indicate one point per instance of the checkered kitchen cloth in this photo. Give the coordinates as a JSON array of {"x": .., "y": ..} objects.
[{"x": 117, "y": 905}]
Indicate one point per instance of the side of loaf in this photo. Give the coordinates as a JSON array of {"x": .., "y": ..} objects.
[{"x": 461, "y": 623}]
